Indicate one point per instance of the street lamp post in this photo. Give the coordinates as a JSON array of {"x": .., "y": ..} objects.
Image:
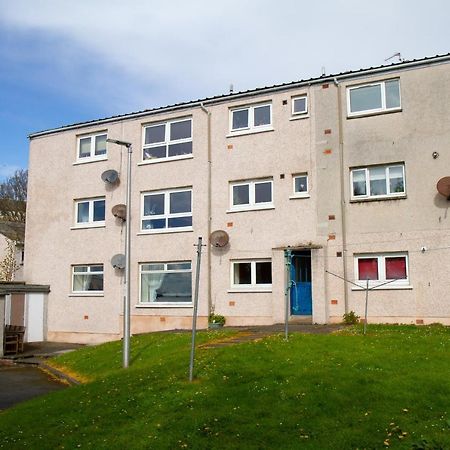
[{"x": 126, "y": 303}]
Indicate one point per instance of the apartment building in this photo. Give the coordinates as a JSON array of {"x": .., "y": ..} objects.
[{"x": 312, "y": 182}]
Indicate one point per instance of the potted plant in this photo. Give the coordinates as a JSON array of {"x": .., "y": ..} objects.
[{"x": 216, "y": 320}]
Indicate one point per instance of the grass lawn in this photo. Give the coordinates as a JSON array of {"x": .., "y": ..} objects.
[{"x": 389, "y": 389}]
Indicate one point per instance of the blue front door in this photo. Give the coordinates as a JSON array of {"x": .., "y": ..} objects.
[{"x": 301, "y": 294}]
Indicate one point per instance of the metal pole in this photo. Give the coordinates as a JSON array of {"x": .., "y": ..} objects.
[
  {"x": 126, "y": 303},
  {"x": 194, "y": 316},
  {"x": 287, "y": 293},
  {"x": 367, "y": 301}
]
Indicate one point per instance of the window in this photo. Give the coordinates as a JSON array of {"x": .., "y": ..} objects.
[
  {"x": 168, "y": 140},
  {"x": 91, "y": 147},
  {"x": 256, "y": 194},
  {"x": 90, "y": 212},
  {"x": 379, "y": 268},
  {"x": 374, "y": 97},
  {"x": 299, "y": 105},
  {"x": 166, "y": 283},
  {"x": 378, "y": 182},
  {"x": 251, "y": 274},
  {"x": 167, "y": 210},
  {"x": 251, "y": 118},
  {"x": 300, "y": 183},
  {"x": 87, "y": 279}
]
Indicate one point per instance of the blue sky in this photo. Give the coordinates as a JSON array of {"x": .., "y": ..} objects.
[{"x": 68, "y": 61}]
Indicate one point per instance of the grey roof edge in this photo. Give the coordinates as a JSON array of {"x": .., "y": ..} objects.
[
  {"x": 251, "y": 92},
  {"x": 19, "y": 287}
]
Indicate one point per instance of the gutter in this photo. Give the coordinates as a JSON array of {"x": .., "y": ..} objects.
[{"x": 247, "y": 94}]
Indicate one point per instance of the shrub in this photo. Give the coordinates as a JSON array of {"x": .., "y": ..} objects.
[
  {"x": 350, "y": 318},
  {"x": 217, "y": 318}
]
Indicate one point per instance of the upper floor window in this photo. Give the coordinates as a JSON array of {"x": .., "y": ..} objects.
[
  {"x": 378, "y": 181},
  {"x": 167, "y": 210},
  {"x": 253, "y": 194},
  {"x": 166, "y": 283},
  {"x": 251, "y": 118},
  {"x": 167, "y": 140},
  {"x": 251, "y": 274},
  {"x": 300, "y": 185},
  {"x": 91, "y": 147},
  {"x": 87, "y": 278},
  {"x": 90, "y": 212},
  {"x": 299, "y": 105},
  {"x": 382, "y": 267},
  {"x": 374, "y": 97}
]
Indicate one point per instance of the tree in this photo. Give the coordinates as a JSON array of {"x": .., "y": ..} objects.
[
  {"x": 13, "y": 197},
  {"x": 8, "y": 266}
]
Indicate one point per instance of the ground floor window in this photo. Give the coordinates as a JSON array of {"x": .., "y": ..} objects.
[
  {"x": 87, "y": 278},
  {"x": 169, "y": 282},
  {"x": 378, "y": 268},
  {"x": 251, "y": 274}
]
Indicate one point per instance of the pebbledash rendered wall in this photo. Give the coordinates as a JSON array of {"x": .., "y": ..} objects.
[{"x": 324, "y": 143}]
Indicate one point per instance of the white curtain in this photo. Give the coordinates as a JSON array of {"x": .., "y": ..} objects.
[{"x": 150, "y": 284}]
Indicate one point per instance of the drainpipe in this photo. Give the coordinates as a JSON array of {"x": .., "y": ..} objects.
[
  {"x": 342, "y": 202},
  {"x": 208, "y": 113}
]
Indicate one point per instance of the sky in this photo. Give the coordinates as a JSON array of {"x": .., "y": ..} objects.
[{"x": 69, "y": 61}]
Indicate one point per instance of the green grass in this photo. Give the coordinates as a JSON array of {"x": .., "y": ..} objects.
[{"x": 340, "y": 391}]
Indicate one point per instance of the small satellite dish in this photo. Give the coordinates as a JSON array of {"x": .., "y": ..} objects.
[
  {"x": 443, "y": 187},
  {"x": 219, "y": 238},
  {"x": 118, "y": 261},
  {"x": 110, "y": 176},
  {"x": 119, "y": 211}
]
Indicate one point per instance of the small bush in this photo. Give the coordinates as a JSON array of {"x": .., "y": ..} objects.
[
  {"x": 350, "y": 318},
  {"x": 217, "y": 318}
]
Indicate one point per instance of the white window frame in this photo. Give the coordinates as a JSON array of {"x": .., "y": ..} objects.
[
  {"x": 87, "y": 293},
  {"x": 91, "y": 223},
  {"x": 383, "y": 108},
  {"x": 381, "y": 260},
  {"x": 167, "y": 141},
  {"x": 389, "y": 194},
  {"x": 251, "y": 205},
  {"x": 253, "y": 286},
  {"x": 299, "y": 113},
  {"x": 165, "y": 270},
  {"x": 166, "y": 215},
  {"x": 296, "y": 194},
  {"x": 251, "y": 128},
  {"x": 92, "y": 156}
]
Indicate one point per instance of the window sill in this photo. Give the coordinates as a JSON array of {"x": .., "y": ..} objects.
[
  {"x": 84, "y": 227},
  {"x": 248, "y": 290},
  {"x": 373, "y": 113},
  {"x": 145, "y": 162},
  {"x": 293, "y": 197},
  {"x": 378, "y": 199},
  {"x": 300, "y": 116},
  {"x": 252, "y": 131},
  {"x": 262, "y": 208},
  {"x": 163, "y": 305},
  {"x": 166, "y": 231},
  {"x": 87, "y": 294},
  {"x": 89, "y": 160},
  {"x": 384, "y": 288}
]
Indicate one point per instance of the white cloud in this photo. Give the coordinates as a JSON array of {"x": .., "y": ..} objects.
[{"x": 143, "y": 53}]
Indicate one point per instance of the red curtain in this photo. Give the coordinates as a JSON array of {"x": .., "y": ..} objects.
[
  {"x": 395, "y": 268},
  {"x": 368, "y": 268}
]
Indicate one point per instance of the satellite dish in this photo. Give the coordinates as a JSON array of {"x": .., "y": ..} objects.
[
  {"x": 443, "y": 187},
  {"x": 118, "y": 261},
  {"x": 110, "y": 176},
  {"x": 119, "y": 211},
  {"x": 219, "y": 238}
]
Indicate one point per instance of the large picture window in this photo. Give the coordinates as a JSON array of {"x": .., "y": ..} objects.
[
  {"x": 167, "y": 210},
  {"x": 378, "y": 182},
  {"x": 377, "y": 97},
  {"x": 91, "y": 147},
  {"x": 166, "y": 283},
  {"x": 252, "y": 194},
  {"x": 379, "y": 268},
  {"x": 87, "y": 278},
  {"x": 167, "y": 140},
  {"x": 90, "y": 212},
  {"x": 251, "y": 274}
]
